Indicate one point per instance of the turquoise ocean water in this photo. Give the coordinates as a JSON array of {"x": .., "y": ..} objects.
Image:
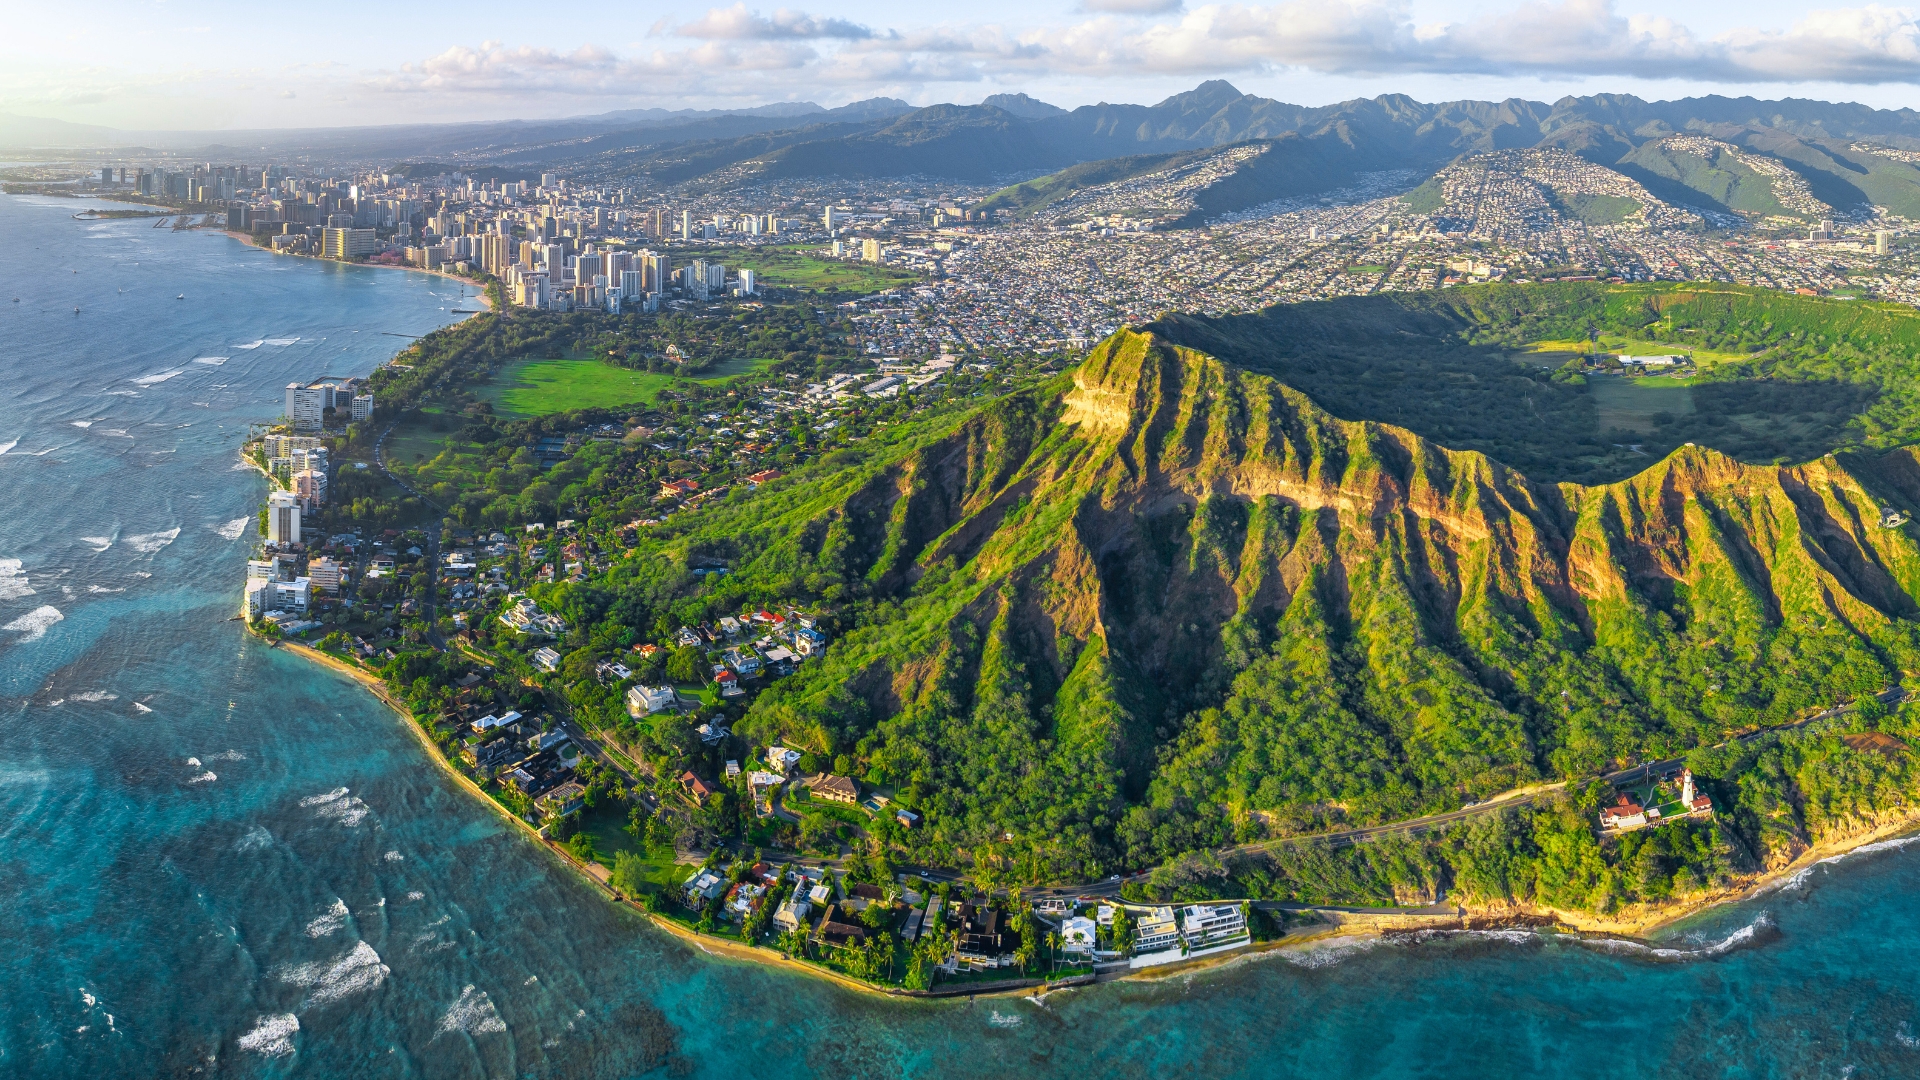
[{"x": 218, "y": 860}]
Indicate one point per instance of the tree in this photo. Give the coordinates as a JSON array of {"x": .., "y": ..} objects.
[{"x": 687, "y": 665}]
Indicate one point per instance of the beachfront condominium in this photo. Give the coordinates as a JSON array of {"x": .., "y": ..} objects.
[
  {"x": 283, "y": 518},
  {"x": 306, "y": 404}
]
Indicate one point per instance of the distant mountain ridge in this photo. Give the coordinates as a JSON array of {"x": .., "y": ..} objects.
[{"x": 1009, "y": 137}]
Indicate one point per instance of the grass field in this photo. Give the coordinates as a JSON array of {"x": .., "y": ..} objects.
[
  {"x": 540, "y": 387},
  {"x": 794, "y": 268},
  {"x": 1619, "y": 346},
  {"x": 1631, "y": 403}
]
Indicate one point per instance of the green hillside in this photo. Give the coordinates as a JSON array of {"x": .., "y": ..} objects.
[
  {"x": 1719, "y": 180},
  {"x": 1164, "y": 604},
  {"x": 1030, "y": 196}
]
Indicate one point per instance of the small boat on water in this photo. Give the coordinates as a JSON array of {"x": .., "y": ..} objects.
[
  {"x": 76, "y": 309},
  {"x": 182, "y": 296}
]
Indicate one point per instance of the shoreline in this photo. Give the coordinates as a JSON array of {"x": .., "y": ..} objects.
[
  {"x": 486, "y": 303},
  {"x": 1629, "y": 929}
]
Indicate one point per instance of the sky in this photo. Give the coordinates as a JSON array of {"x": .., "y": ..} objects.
[{"x": 222, "y": 64}]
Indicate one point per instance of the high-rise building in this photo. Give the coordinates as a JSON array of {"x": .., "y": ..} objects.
[
  {"x": 829, "y": 218},
  {"x": 362, "y": 407},
  {"x": 870, "y": 250},
  {"x": 305, "y": 404},
  {"x": 632, "y": 284},
  {"x": 283, "y": 518},
  {"x": 1882, "y": 242},
  {"x": 686, "y": 224},
  {"x": 655, "y": 270},
  {"x": 338, "y": 243},
  {"x": 746, "y": 282},
  {"x": 311, "y": 486}
]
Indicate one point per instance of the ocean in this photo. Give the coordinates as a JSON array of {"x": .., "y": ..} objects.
[{"x": 217, "y": 859}]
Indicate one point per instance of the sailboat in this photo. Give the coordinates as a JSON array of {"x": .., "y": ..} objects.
[{"x": 182, "y": 296}]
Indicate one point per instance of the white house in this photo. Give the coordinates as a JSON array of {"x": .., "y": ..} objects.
[
  {"x": 647, "y": 700},
  {"x": 1076, "y": 935},
  {"x": 546, "y": 658}
]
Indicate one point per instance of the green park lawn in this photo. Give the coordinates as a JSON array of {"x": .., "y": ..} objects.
[
  {"x": 794, "y": 267},
  {"x": 541, "y": 387}
]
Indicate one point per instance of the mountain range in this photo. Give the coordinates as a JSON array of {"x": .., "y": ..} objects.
[{"x": 1848, "y": 155}]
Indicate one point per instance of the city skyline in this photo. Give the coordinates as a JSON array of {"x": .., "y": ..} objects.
[{"x": 157, "y": 67}]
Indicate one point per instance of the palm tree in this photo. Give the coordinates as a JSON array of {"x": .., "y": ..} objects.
[{"x": 1053, "y": 943}]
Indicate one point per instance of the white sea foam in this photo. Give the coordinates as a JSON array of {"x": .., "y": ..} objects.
[
  {"x": 1905, "y": 1036},
  {"x": 531, "y": 979},
  {"x": 232, "y": 529},
  {"x": 194, "y": 761},
  {"x": 997, "y": 1019},
  {"x": 88, "y": 423},
  {"x": 123, "y": 393},
  {"x": 416, "y": 896},
  {"x": 1743, "y": 936},
  {"x": 34, "y": 624},
  {"x": 6, "y": 446},
  {"x": 142, "y": 707},
  {"x": 157, "y": 377},
  {"x": 98, "y": 543},
  {"x": 280, "y": 342},
  {"x": 148, "y": 543},
  {"x": 272, "y": 1036},
  {"x": 88, "y": 998},
  {"x": 330, "y": 920},
  {"x": 44, "y": 453},
  {"x": 104, "y": 589},
  {"x": 256, "y": 838},
  {"x": 338, "y": 805},
  {"x": 13, "y": 580},
  {"x": 250, "y": 345},
  {"x": 99, "y": 695},
  {"x": 210, "y": 361},
  {"x": 359, "y": 970},
  {"x": 203, "y": 778},
  {"x": 1328, "y": 953},
  {"x": 473, "y": 1013},
  {"x": 228, "y": 755},
  {"x": 393, "y": 856}
]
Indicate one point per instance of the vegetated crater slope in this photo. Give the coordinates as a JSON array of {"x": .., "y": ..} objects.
[{"x": 1165, "y": 603}]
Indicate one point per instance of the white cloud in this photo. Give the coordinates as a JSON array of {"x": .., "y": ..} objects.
[
  {"x": 1132, "y": 7},
  {"x": 738, "y": 24}
]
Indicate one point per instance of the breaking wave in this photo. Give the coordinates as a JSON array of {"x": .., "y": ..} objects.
[
  {"x": 393, "y": 856},
  {"x": 148, "y": 543},
  {"x": 157, "y": 378},
  {"x": 203, "y": 778},
  {"x": 210, "y": 361},
  {"x": 256, "y": 838},
  {"x": 98, "y": 543},
  {"x": 13, "y": 580},
  {"x": 338, "y": 805},
  {"x": 327, "y": 982},
  {"x": 142, "y": 707},
  {"x": 6, "y": 446},
  {"x": 272, "y": 1036},
  {"x": 1760, "y": 928},
  {"x": 34, "y": 624},
  {"x": 232, "y": 529},
  {"x": 329, "y": 921},
  {"x": 473, "y": 1013},
  {"x": 98, "y": 695}
]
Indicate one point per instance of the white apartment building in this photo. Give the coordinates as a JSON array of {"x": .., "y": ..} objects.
[{"x": 283, "y": 518}]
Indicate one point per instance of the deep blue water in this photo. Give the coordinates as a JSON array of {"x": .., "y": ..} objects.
[{"x": 214, "y": 856}]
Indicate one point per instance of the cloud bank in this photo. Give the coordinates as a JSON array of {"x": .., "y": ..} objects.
[{"x": 791, "y": 51}]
